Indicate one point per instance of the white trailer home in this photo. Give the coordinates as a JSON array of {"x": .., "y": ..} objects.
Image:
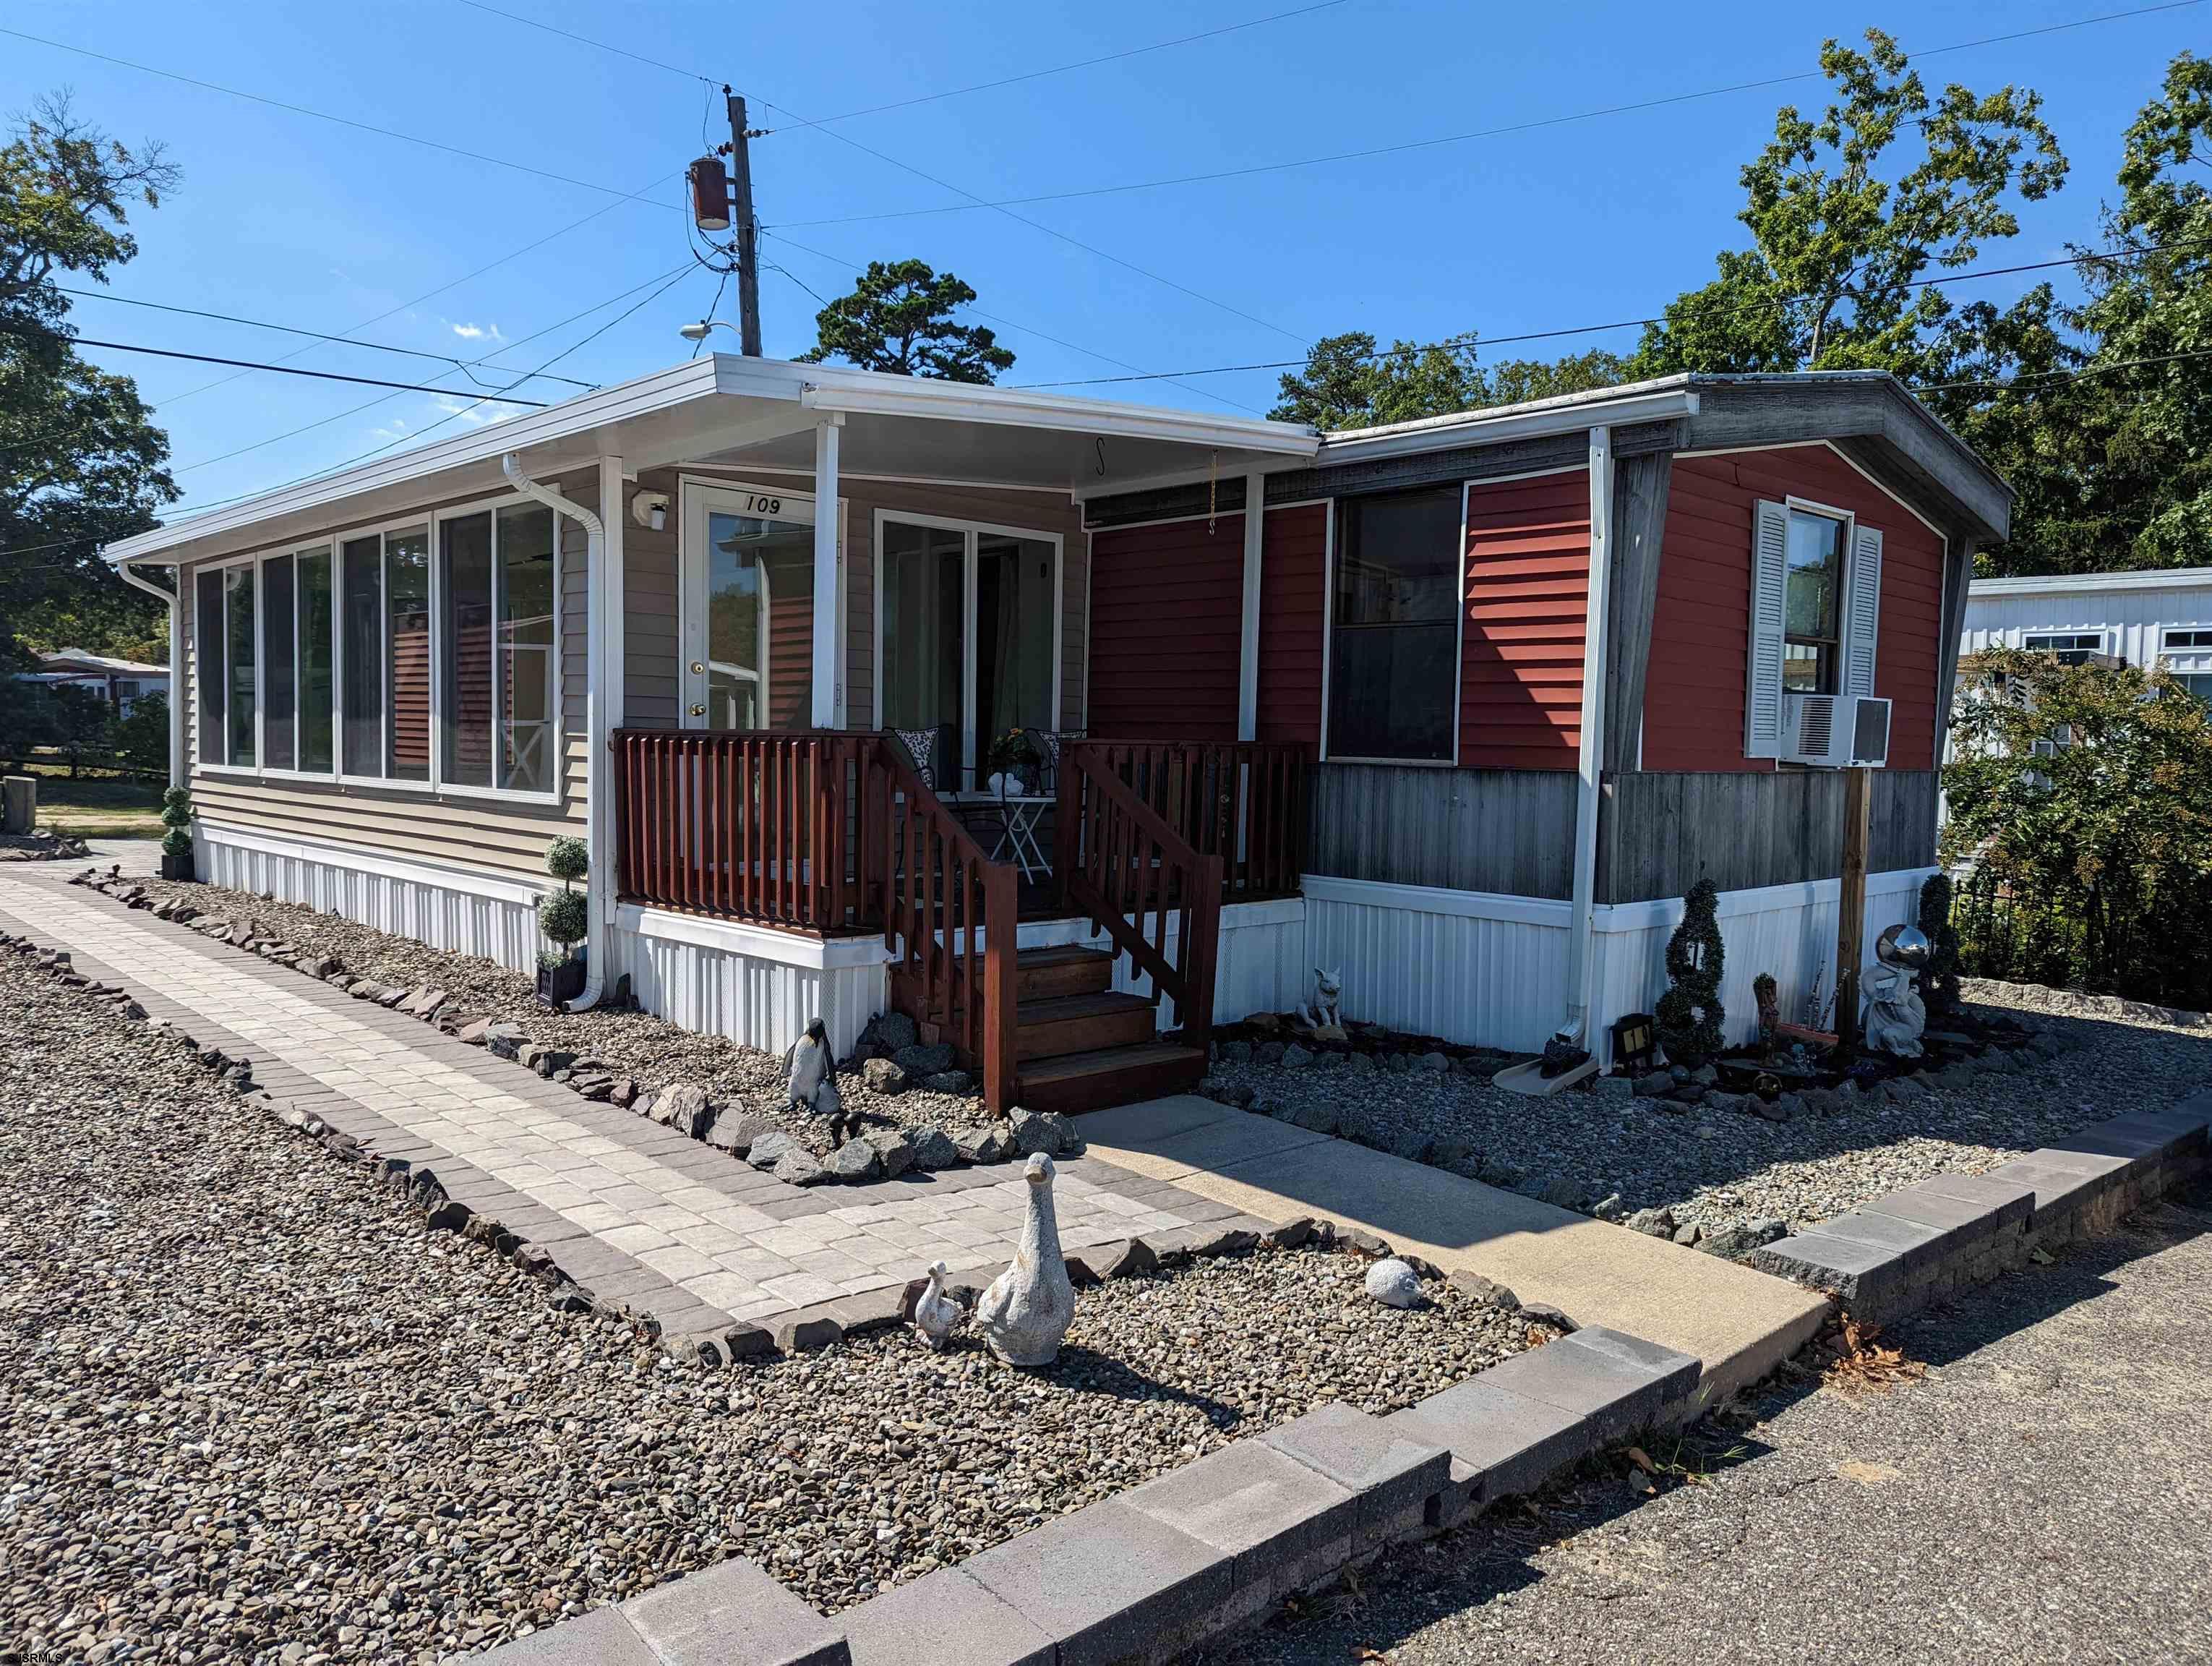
[{"x": 2145, "y": 620}]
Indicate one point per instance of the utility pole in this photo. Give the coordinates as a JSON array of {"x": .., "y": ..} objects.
[
  {"x": 748, "y": 234},
  {"x": 1851, "y": 910}
]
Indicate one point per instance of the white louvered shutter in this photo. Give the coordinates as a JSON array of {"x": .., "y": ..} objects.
[
  {"x": 1862, "y": 612},
  {"x": 1770, "y": 589}
]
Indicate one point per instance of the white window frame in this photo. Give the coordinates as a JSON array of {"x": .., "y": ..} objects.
[
  {"x": 2037, "y": 641},
  {"x": 694, "y": 495},
  {"x": 430, "y": 521},
  {"x": 557, "y": 741},
  {"x": 972, "y": 531},
  {"x": 1336, "y": 508},
  {"x": 1850, "y": 554},
  {"x": 236, "y": 771},
  {"x": 2166, "y": 644}
]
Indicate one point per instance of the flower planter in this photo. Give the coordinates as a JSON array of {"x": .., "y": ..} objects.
[
  {"x": 561, "y": 983},
  {"x": 177, "y": 867}
]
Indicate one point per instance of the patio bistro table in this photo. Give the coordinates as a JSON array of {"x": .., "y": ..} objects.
[{"x": 1020, "y": 812}]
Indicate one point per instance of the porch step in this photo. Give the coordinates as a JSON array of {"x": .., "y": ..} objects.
[
  {"x": 1041, "y": 974},
  {"x": 1110, "y": 1076},
  {"x": 1060, "y": 1024}
]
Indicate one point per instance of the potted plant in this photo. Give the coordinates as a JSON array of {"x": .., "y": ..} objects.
[
  {"x": 1010, "y": 755},
  {"x": 177, "y": 843},
  {"x": 564, "y": 917}
]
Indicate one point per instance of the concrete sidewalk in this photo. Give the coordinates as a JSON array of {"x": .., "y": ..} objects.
[{"x": 1742, "y": 1324}]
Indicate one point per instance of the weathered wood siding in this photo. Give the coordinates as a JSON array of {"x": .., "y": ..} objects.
[
  {"x": 1527, "y": 603},
  {"x": 500, "y": 835},
  {"x": 1701, "y": 625},
  {"x": 1167, "y": 609},
  {"x": 1503, "y": 830},
  {"x": 1659, "y": 832},
  {"x": 1293, "y": 621}
]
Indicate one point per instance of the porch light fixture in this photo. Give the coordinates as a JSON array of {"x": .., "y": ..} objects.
[{"x": 650, "y": 509}]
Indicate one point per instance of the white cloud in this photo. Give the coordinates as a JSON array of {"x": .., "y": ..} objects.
[{"x": 477, "y": 332}]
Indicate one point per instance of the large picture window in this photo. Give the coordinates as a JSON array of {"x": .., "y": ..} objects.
[
  {"x": 495, "y": 687},
  {"x": 1394, "y": 627},
  {"x": 362, "y": 579}
]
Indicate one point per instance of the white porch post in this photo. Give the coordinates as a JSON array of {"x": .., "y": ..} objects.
[
  {"x": 1247, "y": 660},
  {"x": 829, "y": 597}
]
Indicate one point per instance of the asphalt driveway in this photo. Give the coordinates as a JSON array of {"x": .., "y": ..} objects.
[{"x": 2044, "y": 1494}]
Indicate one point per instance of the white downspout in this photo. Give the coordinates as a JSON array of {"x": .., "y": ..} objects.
[
  {"x": 1590, "y": 758},
  {"x": 603, "y": 555},
  {"x": 176, "y": 605}
]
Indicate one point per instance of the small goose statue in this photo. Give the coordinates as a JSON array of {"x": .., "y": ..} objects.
[{"x": 936, "y": 1315}]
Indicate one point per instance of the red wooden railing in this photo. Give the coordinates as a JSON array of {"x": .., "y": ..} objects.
[
  {"x": 1122, "y": 863},
  {"x": 1245, "y": 801},
  {"x": 950, "y": 920},
  {"x": 761, "y": 827}
]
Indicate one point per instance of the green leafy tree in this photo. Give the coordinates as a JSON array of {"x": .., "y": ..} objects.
[
  {"x": 1348, "y": 382},
  {"x": 899, "y": 319},
  {"x": 1848, "y": 211},
  {"x": 1689, "y": 1015},
  {"x": 80, "y": 461},
  {"x": 82, "y": 726},
  {"x": 2098, "y": 840},
  {"x": 141, "y": 737}
]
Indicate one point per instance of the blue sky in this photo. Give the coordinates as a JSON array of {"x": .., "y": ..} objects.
[{"x": 298, "y": 220}]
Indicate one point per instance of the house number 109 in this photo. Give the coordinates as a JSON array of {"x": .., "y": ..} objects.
[{"x": 758, "y": 505}]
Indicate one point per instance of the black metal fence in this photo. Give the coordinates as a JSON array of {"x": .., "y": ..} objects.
[{"x": 2157, "y": 950}]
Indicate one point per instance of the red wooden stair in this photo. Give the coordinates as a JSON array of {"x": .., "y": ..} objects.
[{"x": 1079, "y": 1046}]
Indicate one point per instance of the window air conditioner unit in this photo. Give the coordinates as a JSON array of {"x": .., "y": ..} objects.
[{"x": 1835, "y": 731}]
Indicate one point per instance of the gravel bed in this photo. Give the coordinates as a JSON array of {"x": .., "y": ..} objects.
[
  {"x": 255, "y": 1410},
  {"x": 1713, "y": 1170},
  {"x": 657, "y": 1053}
]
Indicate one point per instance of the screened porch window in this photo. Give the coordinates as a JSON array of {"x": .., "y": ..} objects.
[
  {"x": 967, "y": 631},
  {"x": 1393, "y": 629}
]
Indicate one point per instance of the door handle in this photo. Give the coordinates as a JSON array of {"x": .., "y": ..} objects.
[
  {"x": 698, "y": 711},
  {"x": 696, "y": 668}
]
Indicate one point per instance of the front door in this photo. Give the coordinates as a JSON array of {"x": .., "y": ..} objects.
[{"x": 747, "y": 607}]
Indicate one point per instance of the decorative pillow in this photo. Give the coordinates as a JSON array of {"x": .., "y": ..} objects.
[{"x": 921, "y": 747}]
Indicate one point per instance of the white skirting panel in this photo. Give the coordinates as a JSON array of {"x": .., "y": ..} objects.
[
  {"x": 1787, "y": 930},
  {"x": 1263, "y": 966},
  {"x": 1487, "y": 971},
  {"x": 468, "y": 913},
  {"x": 1474, "y": 967},
  {"x": 760, "y": 989}
]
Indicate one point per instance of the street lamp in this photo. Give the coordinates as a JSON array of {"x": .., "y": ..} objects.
[{"x": 698, "y": 332}]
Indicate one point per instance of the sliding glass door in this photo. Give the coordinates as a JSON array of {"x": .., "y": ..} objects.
[{"x": 968, "y": 635}]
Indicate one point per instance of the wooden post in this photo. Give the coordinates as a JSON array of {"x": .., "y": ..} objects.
[{"x": 1850, "y": 911}]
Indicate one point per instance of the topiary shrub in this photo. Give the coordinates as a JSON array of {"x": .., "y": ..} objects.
[
  {"x": 177, "y": 843},
  {"x": 1939, "y": 981},
  {"x": 563, "y": 915},
  {"x": 1690, "y": 1013},
  {"x": 568, "y": 859}
]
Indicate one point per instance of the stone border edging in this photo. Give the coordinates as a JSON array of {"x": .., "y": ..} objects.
[
  {"x": 1894, "y": 1255},
  {"x": 884, "y": 1154},
  {"x": 1145, "y": 1576}
]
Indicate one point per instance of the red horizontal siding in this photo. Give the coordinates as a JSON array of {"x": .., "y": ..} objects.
[
  {"x": 1701, "y": 628},
  {"x": 1167, "y": 606},
  {"x": 1293, "y": 614},
  {"x": 1528, "y": 599}
]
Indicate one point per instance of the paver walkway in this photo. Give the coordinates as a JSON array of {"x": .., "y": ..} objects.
[
  {"x": 626, "y": 1208},
  {"x": 1741, "y": 1322}
]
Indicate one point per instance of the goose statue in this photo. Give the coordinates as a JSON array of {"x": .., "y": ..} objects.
[
  {"x": 936, "y": 1315},
  {"x": 1027, "y": 1309}
]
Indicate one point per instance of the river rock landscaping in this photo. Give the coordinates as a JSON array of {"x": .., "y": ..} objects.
[
  {"x": 915, "y": 1108},
  {"x": 1690, "y": 1156},
  {"x": 259, "y": 1409}
]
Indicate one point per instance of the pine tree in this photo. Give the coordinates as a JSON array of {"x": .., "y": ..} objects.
[{"x": 1690, "y": 1013}]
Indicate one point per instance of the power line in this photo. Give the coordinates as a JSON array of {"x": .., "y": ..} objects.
[
  {"x": 2100, "y": 257},
  {"x": 1027, "y": 330},
  {"x": 1218, "y": 175},
  {"x": 319, "y": 115},
  {"x": 943, "y": 185},
  {"x": 210, "y": 358},
  {"x": 452, "y": 416},
  {"x": 462, "y": 365},
  {"x": 1060, "y": 69},
  {"x": 2023, "y": 382},
  {"x": 356, "y": 410}
]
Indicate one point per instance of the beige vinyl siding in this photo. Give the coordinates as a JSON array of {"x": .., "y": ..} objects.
[
  {"x": 1046, "y": 511},
  {"x": 651, "y": 640},
  {"x": 497, "y": 835}
]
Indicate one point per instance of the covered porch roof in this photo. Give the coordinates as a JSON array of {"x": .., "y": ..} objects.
[{"x": 723, "y": 409}]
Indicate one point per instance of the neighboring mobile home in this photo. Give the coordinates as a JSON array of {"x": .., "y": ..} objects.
[
  {"x": 2147, "y": 619},
  {"x": 755, "y": 630}
]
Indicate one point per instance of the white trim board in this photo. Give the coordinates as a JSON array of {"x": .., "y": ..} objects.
[
  {"x": 754, "y": 942},
  {"x": 501, "y": 888}
]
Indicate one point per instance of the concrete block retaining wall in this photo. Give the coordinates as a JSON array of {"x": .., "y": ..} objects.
[{"x": 1947, "y": 1235}]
